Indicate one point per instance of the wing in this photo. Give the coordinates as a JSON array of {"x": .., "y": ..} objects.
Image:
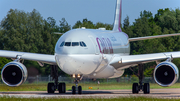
[
  {"x": 152, "y": 37},
  {"x": 44, "y": 58},
  {"x": 58, "y": 33},
  {"x": 130, "y": 60}
]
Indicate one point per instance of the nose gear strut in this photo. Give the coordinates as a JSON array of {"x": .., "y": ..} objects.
[{"x": 76, "y": 81}]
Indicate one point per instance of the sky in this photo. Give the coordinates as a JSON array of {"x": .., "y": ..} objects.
[{"x": 94, "y": 10}]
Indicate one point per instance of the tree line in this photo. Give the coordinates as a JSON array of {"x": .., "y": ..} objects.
[{"x": 29, "y": 32}]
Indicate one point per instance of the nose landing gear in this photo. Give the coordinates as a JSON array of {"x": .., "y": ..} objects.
[{"x": 76, "y": 81}]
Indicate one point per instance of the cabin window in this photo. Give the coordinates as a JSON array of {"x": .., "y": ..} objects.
[
  {"x": 67, "y": 43},
  {"x": 75, "y": 43}
]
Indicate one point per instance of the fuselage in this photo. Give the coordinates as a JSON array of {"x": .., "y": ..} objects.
[{"x": 88, "y": 52}]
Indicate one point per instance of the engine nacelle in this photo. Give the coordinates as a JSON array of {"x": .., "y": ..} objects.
[
  {"x": 14, "y": 73},
  {"x": 166, "y": 74}
]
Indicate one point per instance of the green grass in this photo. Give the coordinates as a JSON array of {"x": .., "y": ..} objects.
[
  {"x": 5, "y": 98},
  {"x": 105, "y": 86}
]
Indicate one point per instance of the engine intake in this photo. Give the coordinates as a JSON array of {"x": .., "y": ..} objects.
[
  {"x": 14, "y": 73},
  {"x": 166, "y": 74}
]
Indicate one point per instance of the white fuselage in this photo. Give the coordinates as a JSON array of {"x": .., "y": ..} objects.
[{"x": 88, "y": 52}]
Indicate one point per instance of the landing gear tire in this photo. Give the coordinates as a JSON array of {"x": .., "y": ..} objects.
[
  {"x": 73, "y": 90},
  {"x": 146, "y": 88},
  {"x": 50, "y": 88},
  {"x": 79, "y": 90},
  {"x": 62, "y": 88},
  {"x": 135, "y": 88}
]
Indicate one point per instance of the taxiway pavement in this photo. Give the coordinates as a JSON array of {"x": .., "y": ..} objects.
[{"x": 156, "y": 93}]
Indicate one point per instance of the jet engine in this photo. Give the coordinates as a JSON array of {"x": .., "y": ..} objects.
[
  {"x": 166, "y": 74},
  {"x": 14, "y": 73}
]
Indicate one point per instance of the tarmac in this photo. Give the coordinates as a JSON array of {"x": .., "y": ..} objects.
[{"x": 154, "y": 93}]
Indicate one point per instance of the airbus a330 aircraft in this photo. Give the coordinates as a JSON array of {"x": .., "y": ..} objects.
[{"x": 94, "y": 53}]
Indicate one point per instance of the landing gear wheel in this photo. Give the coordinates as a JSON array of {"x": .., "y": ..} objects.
[
  {"x": 73, "y": 90},
  {"x": 62, "y": 88},
  {"x": 79, "y": 90},
  {"x": 135, "y": 88},
  {"x": 50, "y": 87},
  {"x": 146, "y": 88}
]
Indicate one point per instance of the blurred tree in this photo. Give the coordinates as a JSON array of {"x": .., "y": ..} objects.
[
  {"x": 88, "y": 24},
  {"x": 146, "y": 14},
  {"x": 64, "y": 26},
  {"x": 78, "y": 24},
  {"x": 85, "y": 23},
  {"x": 28, "y": 32}
]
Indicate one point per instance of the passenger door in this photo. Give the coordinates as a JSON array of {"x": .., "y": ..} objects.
[{"x": 94, "y": 44}]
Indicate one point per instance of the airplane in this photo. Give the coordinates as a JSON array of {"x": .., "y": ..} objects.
[{"x": 94, "y": 53}]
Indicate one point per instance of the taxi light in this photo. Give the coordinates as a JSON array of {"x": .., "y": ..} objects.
[
  {"x": 74, "y": 76},
  {"x": 78, "y": 76}
]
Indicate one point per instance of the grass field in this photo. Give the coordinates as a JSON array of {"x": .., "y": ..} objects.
[
  {"x": 105, "y": 86},
  {"x": 5, "y": 98}
]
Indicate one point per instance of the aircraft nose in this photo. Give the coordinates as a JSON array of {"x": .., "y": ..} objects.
[
  {"x": 78, "y": 64},
  {"x": 70, "y": 50}
]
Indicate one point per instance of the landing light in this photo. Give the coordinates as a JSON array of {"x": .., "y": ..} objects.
[
  {"x": 78, "y": 76},
  {"x": 74, "y": 75},
  {"x": 120, "y": 61}
]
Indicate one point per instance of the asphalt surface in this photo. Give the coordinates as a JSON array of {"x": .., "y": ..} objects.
[{"x": 155, "y": 93}]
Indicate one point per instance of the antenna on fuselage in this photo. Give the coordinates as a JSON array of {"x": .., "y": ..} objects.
[{"x": 117, "y": 19}]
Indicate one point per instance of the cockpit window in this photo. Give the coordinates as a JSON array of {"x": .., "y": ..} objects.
[
  {"x": 75, "y": 43},
  {"x": 62, "y": 44},
  {"x": 82, "y": 44},
  {"x": 67, "y": 43}
]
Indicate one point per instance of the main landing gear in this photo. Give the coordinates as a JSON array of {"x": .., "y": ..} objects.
[
  {"x": 76, "y": 81},
  {"x": 138, "y": 87},
  {"x": 52, "y": 87}
]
